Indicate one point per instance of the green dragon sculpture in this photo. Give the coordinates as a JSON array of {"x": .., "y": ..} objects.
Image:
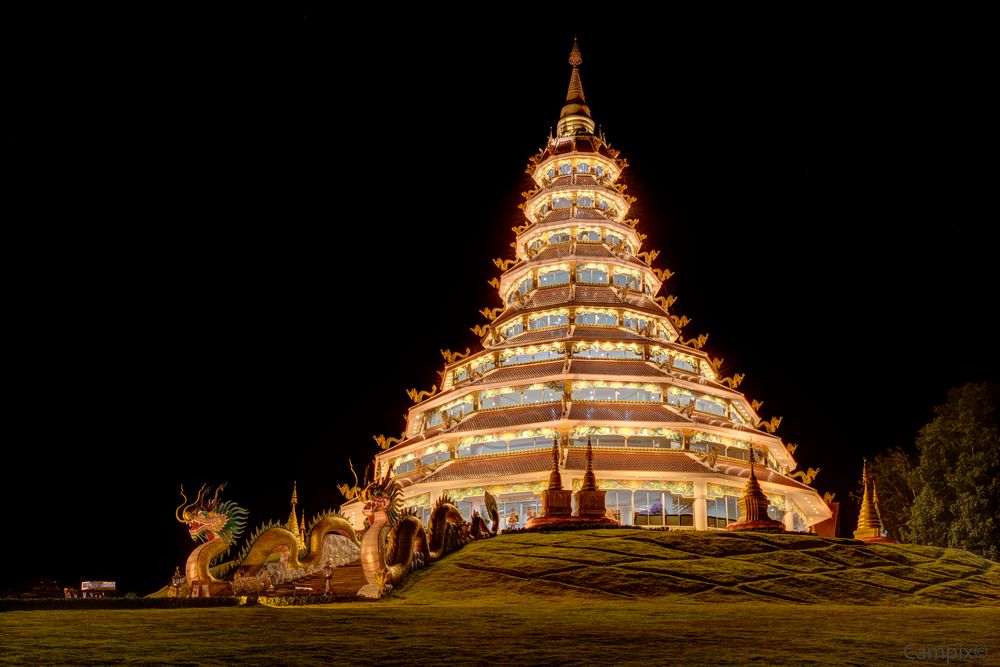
[{"x": 220, "y": 524}]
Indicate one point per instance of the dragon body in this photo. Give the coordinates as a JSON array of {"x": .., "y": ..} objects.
[
  {"x": 219, "y": 525},
  {"x": 396, "y": 542}
]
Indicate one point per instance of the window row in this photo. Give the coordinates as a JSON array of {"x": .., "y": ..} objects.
[
  {"x": 585, "y": 275},
  {"x": 586, "y": 235},
  {"x": 640, "y": 508},
  {"x": 567, "y": 168}
]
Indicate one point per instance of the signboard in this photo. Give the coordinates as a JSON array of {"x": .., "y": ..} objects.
[{"x": 97, "y": 585}]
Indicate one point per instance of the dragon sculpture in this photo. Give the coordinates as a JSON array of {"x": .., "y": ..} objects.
[
  {"x": 396, "y": 541},
  {"x": 806, "y": 477},
  {"x": 219, "y": 524},
  {"x": 663, "y": 274},
  {"x": 666, "y": 302}
]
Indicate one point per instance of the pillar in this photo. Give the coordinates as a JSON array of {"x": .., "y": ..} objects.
[
  {"x": 788, "y": 518},
  {"x": 700, "y": 506}
]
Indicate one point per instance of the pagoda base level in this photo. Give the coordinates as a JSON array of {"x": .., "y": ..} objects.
[
  {"x": 885, "y": 540},
  {"x": 760, "y": 526},
  {"x": 568, "y": 521}
]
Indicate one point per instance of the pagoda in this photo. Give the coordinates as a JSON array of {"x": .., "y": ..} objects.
[
  {"x": 869, "y": 517},
  {"x": 584, "y": 348}
]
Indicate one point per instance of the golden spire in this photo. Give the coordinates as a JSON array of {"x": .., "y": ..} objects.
[
  {"x": 302, "y": 531},
  {"x": 575, "y": 116},
  {"x": 753, "y": 502},
  {"x": 293, "y": 521},
  {"x": 555, "y": 479},
  {"x": 869, "y": 521},
  {"x": 589, "y": 481}
]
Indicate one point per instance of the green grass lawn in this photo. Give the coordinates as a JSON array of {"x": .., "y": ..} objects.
[
  {"x": 487, "y": 631},
  {"x": 589, "y": 597}
]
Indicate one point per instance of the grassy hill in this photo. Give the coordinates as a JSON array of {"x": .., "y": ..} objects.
[
  {"x": 588, "y": 597},
  {"x": 706, "y": 567}
]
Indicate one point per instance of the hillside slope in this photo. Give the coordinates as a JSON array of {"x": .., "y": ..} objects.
[{"x": 706, "y": 567}]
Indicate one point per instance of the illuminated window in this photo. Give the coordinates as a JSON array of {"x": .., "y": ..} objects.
[
  {"x": 619, "y": 504},
  {"x": 594, "y": 276},
  {"x": 738, "y": 453},
  {"x": 585, "y": 202},
  {"x": 551, "y": 320},
  {"x": 612, "y": 240},
  {"x": 653, "y": 442},
  {"x": 552, "y": 172},
  {"x": 598, "y": 319},
  {"x": 634, "y": 321},
  {"x": 583, "y": 168},
  {"x": 679, "y": 400},
  {"x": 622, "y": 394},
  {"x": 406, "y": 466},
  {"x": 711, "y": 407},
  {"x": 557, "y": 277},
  {"x": 526, "y": 285},
  {"x": 537, "y": 244},
  {"x": 524, "y": 357},
  {"x": 562, "y": 202},
  {"x": 588, "y": 235},
  {"x": 565, "y": 169},
  {"x": 648, "y": 508},
  {"x": 559, "y": 237},
  {"x": 524, "y": 444},
  {"x": 627, "y": 280},
  {"x": 514, "y": 329},
  {"x": 598, "y": 352},
  {"x": 436, "y": 457},
  {"x": 481, "y": 448},
  {"x": 599, "y": 170},
  {"x": 776, "y": 513},
  {"x": 604, "y": 205},
  {"x": 721, "y": 511},
  {"x": 599, "y": 440},
  {"x": 686, "y": 364},
  {"x": 517, "y": 396}
]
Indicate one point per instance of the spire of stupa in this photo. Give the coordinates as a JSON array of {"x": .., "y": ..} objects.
[
  {"x": 575, "y": 116},
  {"x": 302, "y": 531},
  {"x": 555, "y": 479},
  {"x": 753, "y": 505},
  {"x": 293, "y": 521},
  {"x": 869, "y": 520},
  {"x": 589, "y": 481}
]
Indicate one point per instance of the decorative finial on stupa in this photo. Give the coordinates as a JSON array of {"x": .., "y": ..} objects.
[
  {"x": 869, "y": 519},
  {"x": 753, "y": 504},
  {"x": 293, "y": 521},
  {"x": 555, "y": 479},
  {"x": 575, "y": 57},
  {"x": 589, "y": 481},
  {"x": 575, "y": 116}
]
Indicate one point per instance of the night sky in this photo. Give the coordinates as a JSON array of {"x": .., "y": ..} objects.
[{"x": 237, "y": 259}]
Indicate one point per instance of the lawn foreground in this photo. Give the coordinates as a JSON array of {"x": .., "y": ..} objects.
[{"x": 591, "y": 597}]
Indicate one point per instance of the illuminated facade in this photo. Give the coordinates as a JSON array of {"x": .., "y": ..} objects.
[{"x": 583, "y": 348}]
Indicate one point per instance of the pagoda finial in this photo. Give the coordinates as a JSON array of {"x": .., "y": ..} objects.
[
  {"x": 575, "y": 57},
  {"x": 555, "y": 479},
  {"x": 869, "y": 520},
  {"x": 293, "y": 521},
  {"x": 575, "y": 116},
  {"x": 589, "y": 481}
]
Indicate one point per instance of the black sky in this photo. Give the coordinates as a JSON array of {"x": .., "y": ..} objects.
[{"x": 236, "y": 258}]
